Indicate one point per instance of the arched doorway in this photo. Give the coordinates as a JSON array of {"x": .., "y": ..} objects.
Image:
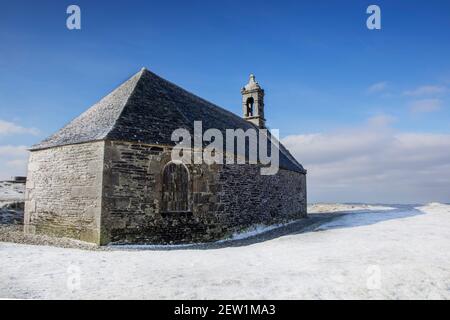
[{"x": 175, "y": 188}]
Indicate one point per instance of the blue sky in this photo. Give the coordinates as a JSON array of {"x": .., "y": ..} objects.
[{"x": 322, "y": 69}]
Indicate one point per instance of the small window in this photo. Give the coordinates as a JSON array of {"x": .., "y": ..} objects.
[
  {"x": 250, "y": 103},
  {"x": 175, "y": 188}
]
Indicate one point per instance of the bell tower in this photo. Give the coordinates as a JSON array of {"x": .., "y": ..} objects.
[{"x": 253, "y": 102}]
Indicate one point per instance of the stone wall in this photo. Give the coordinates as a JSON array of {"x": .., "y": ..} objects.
[
  {"x": 112, "y": 191},
  {"x": 249, "y": 198},
  {"x": 133, "y": 195},
  {"x": 63, "y": 191},
  {"x": 222, "y": 199}
]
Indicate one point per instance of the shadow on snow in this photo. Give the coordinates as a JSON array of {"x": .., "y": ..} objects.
[{"x": 314, "y": 223}]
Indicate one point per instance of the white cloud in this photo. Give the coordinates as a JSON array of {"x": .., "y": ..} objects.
[
  {"x": 426, "y": 90},
  {"x": 9, "y": 128},
  {"x": 13, "y": 161},
  {"x": 377, "y": 87},
  {"x": 374, "y": 163},
  {"x": 381, "y": 120},
  {"x": 426, "y": 105}
]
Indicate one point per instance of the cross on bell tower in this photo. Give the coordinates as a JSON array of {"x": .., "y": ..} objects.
[{"x": 253, "y": 102}]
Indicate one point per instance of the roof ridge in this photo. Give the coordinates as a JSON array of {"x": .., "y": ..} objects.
[
  {"x": 139, "y": 77},
  {"x": 58, "y": 137},
  {"x": 147, "y": 108},
  {"x": 189, "y": 93},
  {"x": 176, "y": 107}
]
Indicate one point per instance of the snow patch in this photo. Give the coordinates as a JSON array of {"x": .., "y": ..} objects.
[
  {"x": 255, "y": 230},
  {"x": 12, "y": 191},
  {"x": 435, "y": 207},
  {"x": 339, "y": 207}
]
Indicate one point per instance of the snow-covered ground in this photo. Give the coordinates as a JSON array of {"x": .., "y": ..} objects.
[
  {"x": 372, "y": 253},
  {"x": 342, "y": 207},
  {"x": 11, "y": 191},
  {"x": 12, "y": 197}
]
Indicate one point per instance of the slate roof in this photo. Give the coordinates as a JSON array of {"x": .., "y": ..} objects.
[{"x": 147, "y": 109}]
